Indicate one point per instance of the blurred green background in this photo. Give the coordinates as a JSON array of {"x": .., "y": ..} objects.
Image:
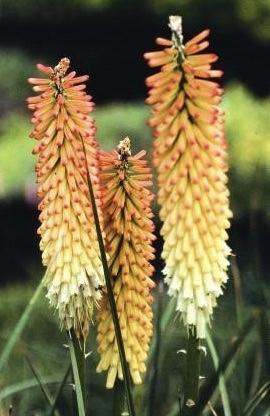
[{"x": 106, "y": 39}]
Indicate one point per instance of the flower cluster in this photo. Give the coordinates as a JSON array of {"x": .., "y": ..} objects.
[
  {"x": 66, "y": 150},
  {"x": 129, "y": 234},
  {"x": 190, "y": 156}
]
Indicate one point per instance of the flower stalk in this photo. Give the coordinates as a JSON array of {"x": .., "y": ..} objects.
[
  {"x": 77, "y": 358},
  {"x": 192, "y": 376},
  {"x": 119, "y": 399}
]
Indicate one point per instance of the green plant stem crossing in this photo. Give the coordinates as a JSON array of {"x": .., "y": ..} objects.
[
  {"x": 193, "y": 364},
  {"x": 78, "y": 374}
]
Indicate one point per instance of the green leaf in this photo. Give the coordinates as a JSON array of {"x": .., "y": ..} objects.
[
  {"x": 209, "y": 387},
  {"x": 221, "y": 381},
  {"x": 169, "y": 311},
  {"x": 174, "y": 410},
  {"x": 258, "y": 397},
  {"x": 25, "y": 385},
  {"x": 42, "y": 386},
  {"x": 19, "y": 328},
  {"x": 59, "y": 391},
  {"x": 154, "y": 369}
]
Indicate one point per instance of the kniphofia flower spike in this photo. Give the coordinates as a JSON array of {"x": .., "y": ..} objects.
[
  {"x": 129, "y": 234},
  {"x": 68, "y": 236},
  {"x": 190, "y": 156}
]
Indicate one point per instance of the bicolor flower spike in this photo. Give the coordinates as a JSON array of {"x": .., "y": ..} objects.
[
  {"x": 129, "y": 234},
  {"x": 191, "y": 159},
  {"x": 66, "y": 149}
]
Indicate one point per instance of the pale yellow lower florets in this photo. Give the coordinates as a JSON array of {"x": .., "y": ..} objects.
[
  {"x": 74, "y": 289},
  {"x": 196, "y": 292}
]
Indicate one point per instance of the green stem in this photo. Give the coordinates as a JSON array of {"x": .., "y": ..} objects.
[
  {"x": 107, "y": 275},
  {"x": 156, "y": 353},
  {"x": 119, "y": 400},
  {"x": 191, "y": 386},
  {"x": 77, "y": 357},
  {"x": 80, "y": 356},
  {"x": 221, "y": 382},
  {"x": 209, "y": 387}
]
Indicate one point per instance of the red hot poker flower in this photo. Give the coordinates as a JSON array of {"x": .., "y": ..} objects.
[
  {"x": 129, "y": 234},
  {"x": 63, "y": 130},
  {"x": 191, "y": 159}
]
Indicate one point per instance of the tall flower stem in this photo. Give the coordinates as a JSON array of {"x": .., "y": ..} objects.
[
  {"x": 80, "y": 356},
  {"x": 119, "y": 399},
  {"x": 77, "y": 357},
  {"x": 107, "y": 275},
  {"x": 156, "y": 353},
  {"x": 191, "y": 382}
]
